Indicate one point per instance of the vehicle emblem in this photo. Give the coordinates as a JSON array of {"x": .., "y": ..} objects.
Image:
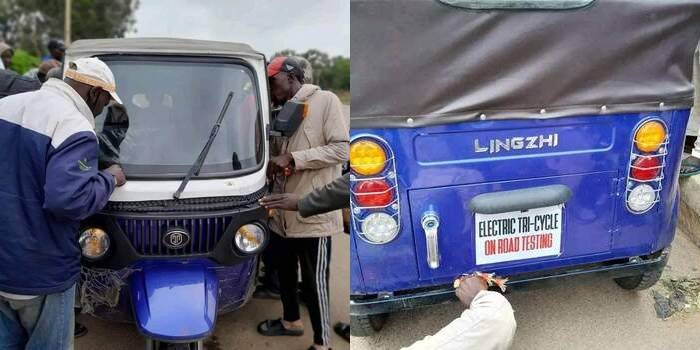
[
  {"x": 517, "y": 143},
  {"x": 176, "y": 238}
]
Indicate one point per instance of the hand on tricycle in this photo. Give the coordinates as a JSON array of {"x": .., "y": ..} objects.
[
  {"x": 468, "y": 287},
  {"x": 284, "y": 201},
  {"x": 118, "y": 174}
]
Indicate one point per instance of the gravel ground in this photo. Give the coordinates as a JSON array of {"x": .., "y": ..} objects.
[{"x": 588, "y": 312}]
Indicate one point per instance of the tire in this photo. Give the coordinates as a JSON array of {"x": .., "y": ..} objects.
[
  {"x": 366, "y": 325},
  {"x": 157, "y": 345},
  {"x": 642, "y": 281}
]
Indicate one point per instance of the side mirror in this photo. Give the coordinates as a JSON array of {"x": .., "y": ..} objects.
[{"x": 286, "y": 120}]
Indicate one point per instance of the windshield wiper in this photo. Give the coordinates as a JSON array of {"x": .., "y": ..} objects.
[{"x": 197, "y": 166}]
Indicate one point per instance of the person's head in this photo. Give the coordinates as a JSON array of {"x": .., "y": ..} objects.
[
  {"x": 93, "y": 81},
  {"x": 56, "y": 72},
  {"x": 286, "y": 78},
  {"x": 6, "y": 53},
  {"x": 57, "y": 49},
  {"x": 44, "y": 69},
  {"x": 306, "y": 69}
]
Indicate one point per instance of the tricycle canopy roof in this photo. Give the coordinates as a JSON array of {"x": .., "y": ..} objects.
[
  {"x": 162, "y": 46},
  {"x": 425, "y": 62}
]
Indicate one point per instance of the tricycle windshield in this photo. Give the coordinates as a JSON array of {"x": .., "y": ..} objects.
[{"x": 172, "y": 105}]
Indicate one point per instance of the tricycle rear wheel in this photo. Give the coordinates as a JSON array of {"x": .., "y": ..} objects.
[
  {"x": 642, "y": 281},
  {"x": 366, "y": 325}
]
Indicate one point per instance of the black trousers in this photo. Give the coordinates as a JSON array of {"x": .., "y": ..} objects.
[{"x": 312, "y": 255}]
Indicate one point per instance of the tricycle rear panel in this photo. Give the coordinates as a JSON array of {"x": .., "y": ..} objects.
[{"x": 441, "y": 169}]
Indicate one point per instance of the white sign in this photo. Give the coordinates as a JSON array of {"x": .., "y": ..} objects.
[{"x": 517, "y": 235}]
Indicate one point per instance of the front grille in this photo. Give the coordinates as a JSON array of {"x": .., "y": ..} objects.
[
  {"x": 187, "y": 204},
  {"x": 146, "y": 235}
]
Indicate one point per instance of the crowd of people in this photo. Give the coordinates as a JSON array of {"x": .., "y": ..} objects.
[{"x": 36, "y": 75}]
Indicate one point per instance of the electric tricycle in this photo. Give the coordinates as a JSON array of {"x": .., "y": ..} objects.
[
  {"x": 178, "y": 244},
  {"x": 532, "y": 139}
]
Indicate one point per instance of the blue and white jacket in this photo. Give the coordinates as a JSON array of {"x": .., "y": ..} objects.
[{"x": 49, "y": 181}]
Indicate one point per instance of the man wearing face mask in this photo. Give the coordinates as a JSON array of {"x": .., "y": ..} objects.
[{"x": 50, "y": 181}]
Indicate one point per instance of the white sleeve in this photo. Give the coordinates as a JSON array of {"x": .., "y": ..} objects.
[{"x": 488, "y": 324}]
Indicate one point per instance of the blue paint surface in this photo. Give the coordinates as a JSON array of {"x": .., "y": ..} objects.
[
  {"x": 178, "y": 299},
  {"x": 438, "y": 167}
]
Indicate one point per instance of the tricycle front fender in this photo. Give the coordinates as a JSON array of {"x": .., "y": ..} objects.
[{"x": 175, "y": 301}]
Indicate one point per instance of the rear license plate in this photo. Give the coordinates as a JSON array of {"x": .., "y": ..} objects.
[{"x": 517, "y": 235}]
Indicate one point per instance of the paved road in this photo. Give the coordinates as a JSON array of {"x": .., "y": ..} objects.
[{"x": 588, "y": 312}]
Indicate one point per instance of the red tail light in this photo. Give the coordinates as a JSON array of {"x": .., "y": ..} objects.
[
  {"x": 373, "y": 193},
  {"x": 646, "y": 168}
]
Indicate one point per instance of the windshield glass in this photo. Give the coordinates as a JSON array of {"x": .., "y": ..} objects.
[{"x": 172, "y": 106}]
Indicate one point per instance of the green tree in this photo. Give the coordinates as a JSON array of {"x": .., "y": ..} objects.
[
  {"x": 286, "y": 52},
  {"x": 22, "y": 61},
  {"x": 337, "y": 75},
  {"x": 29, "y": 24},
  {"x": 329, "y": 73}
]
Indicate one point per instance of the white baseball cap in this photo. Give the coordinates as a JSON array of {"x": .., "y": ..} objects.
[{"x": 92, "y": 71}]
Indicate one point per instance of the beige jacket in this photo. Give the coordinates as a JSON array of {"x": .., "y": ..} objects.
[
  {"x": 320, "y": 146},
  {"x": 488, "y": 324}
]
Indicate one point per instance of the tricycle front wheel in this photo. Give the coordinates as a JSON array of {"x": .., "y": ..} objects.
[
  {"x": 366, "y": 325},
  {"x": 152, "y": 344}
]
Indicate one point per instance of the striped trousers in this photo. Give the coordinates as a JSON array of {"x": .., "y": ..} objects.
[{"x": 313, "y": 256}]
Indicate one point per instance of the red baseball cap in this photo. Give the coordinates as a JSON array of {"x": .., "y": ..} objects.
[{"x": 284, "y": 64}]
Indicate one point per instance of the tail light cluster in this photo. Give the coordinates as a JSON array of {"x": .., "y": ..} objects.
[
  {"x": 647, "y": 162},
  {"x": 374, "y": 190}
]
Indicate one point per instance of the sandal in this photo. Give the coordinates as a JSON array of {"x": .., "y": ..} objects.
[
  {"x": 689, "y": 168},
  {"x": 274, "y": 328},
  {"x": 342, "y": 330}
]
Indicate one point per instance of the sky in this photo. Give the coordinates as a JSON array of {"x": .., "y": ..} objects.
[{"x": 267, "y": 25}]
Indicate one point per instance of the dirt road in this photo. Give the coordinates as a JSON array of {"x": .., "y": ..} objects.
[{"x": 589, "y": 312}]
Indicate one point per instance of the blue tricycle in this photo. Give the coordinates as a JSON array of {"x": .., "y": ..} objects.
[
  {"x": 531, "y": 139},
  {"x": 178, "y": 244}
]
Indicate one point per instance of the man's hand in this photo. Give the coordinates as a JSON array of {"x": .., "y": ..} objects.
[
  {"x": 282, "y": 161},
  {"x": 468, "y": 288},
  {"x": 284, "y": 201},
  {"x": 118, "y": 174}
]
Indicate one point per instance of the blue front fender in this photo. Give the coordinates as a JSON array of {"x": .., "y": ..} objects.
[{"x": 175, "y": 301}]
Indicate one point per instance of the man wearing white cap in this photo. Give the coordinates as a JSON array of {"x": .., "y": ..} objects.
[{"x": 49, "y": 181}]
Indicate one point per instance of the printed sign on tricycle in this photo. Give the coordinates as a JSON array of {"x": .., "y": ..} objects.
[{"x": 517, "y": 235}]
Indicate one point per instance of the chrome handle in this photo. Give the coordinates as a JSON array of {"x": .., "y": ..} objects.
[{"x": 430, "y": 223}]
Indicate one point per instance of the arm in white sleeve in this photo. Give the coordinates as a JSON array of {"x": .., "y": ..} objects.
[{"x": 488, "y": 324}]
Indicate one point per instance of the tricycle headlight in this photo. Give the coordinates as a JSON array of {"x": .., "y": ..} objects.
[
  {"x": 94, "y": 243},
  {"x": 249, "y": 238},
  {"x": 379, "y": 228}
]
